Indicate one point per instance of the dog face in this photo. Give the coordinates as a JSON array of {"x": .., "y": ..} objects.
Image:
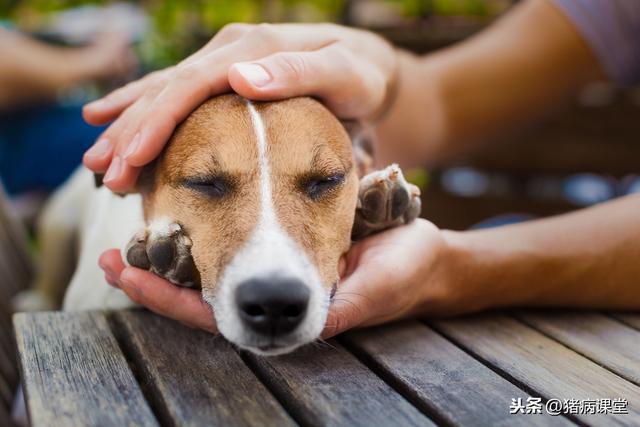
[{"x": 266, "y": 192}]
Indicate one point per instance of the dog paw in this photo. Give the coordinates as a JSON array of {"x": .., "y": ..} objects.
[
  {"x": 165, "y": 250},
  {"x": 385, "y": 200}
]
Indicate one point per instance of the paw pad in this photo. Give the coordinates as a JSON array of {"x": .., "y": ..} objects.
[
  {"x": 385, "y": 200},
  {"x": 164, "y": 249}
]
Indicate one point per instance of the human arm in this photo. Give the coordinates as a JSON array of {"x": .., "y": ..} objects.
[
  {"x": 583, "y": 259},
  {"x": 527, "y": 65},
  {"x": 33, "y": 71}
]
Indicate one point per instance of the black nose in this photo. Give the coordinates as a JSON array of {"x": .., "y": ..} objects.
[{"x": 272, "y": 306}]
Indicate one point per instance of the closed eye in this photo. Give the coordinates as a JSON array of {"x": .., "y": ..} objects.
[
  {"x": 214, "y": 187},
  {"x": 316, "y": 187}
]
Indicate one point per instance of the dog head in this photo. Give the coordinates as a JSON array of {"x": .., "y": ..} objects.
[{"x": 267, "y": 193}]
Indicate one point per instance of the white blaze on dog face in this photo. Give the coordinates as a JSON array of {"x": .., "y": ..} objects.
[{"x": 264, "y": 192}]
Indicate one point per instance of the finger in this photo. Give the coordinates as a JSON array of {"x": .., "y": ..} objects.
[
  {"x": 189, "y": 87},
  {"x": 111, "y": 106},
  {"x": 106, "y": 109},
  {"x": 354, "y": 303},
  {"x": 194, "y": 82},
  {"x": 99, "y": 160},
  {"x": 162, "y": 297},
  {"x": 111, "y": 262},
  {"x": 344, "y": 314},
  {"x": 98, "y": 157},
  {"x": 349, "y": 308},
  {"x": 228, "y": 34},
  {"x": 351, "y": 87},
  {"x": 120, "y": 177}
]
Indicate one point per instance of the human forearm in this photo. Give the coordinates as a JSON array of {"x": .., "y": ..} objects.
[
  {"x": 526, "y": 65},
  {"x": 586, "y": 259},
  {"x": 32, "y": 71}
]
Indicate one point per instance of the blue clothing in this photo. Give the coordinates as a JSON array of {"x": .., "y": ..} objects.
[{"x": 41, "y": 146}]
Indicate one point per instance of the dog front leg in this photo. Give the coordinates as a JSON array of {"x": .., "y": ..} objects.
[
  {"x": 385, "y": 200},
  {"x": 165, "y": 250}
]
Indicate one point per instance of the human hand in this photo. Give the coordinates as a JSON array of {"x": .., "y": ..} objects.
[
  {"x": 399, "y": 273},
  {"x": 349, "y": 70},
  {"x": 394, "y": 274},
  {"x": 157, "y": 294}
]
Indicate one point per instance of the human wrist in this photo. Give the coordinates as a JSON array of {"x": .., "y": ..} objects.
[
  {"x": 480, "y": 274},
  {"x": 411, "y": 130}
]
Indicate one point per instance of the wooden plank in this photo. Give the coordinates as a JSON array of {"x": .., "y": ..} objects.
[
  {"x": 440, "y": 378},
  {"x": 5, "y": 417},
  {"x": 629, "y": 319},
  {"x": 325, "y": 385},
  {"x": 6, "y": 394},
  {"x": 542, "y": 364},
  {"x": 8, "y": 374},
  {"x": 196, "y": 378},
  {"x": 8, "y": 362},
  {"x": 74, "y": 373},
  {"x": 600, "y": 338},
  {"x": 16, "y": 239}
]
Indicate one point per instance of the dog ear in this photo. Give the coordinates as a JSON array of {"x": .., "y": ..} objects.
[
  {"x": 147, "y": 179},
  {"x": 144, "y": 184},
  {"x": 362, "y": 141}
]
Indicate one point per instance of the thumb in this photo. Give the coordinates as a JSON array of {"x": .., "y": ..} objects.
[
  {"x": 349, "y": 86},
  {"x": 351, "y": 306}
]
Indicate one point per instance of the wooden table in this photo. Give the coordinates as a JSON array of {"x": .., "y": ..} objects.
[{"x": 137, "y": 369}]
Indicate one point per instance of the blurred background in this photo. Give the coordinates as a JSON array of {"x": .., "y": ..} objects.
[{"x": 586, "y": 155}]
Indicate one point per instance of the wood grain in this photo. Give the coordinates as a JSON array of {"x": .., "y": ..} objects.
[
  {"x": 5, "y": 417},
  {"x": 324, "y": 385},
  {"x": 6, "y": 394},
  {"x": 16, "y": 240},
  {"x": 441, "y": 378},
  {"x": 196, "y": 378},
  {"x": 545, "y": 366},
  {"x": 8, "y": 362},
  {"x": 74, "y": 373},
  {"x": 16, "y": 270},
  {"x": 15, "y": 276},
  {"x": 630, "y": 319},
  {"x": 600, "y": 338}
]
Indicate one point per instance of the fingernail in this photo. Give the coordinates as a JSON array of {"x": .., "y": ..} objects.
[
  {"x": 114, "y": 169},
  {"x": 99, "y": 149},
  {"x": 96, "y": 105},
  {"x": 133, "y": 147},
  {"x": 254, "y": 74}
]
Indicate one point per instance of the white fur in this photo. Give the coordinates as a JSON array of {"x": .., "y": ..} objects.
[
  {"x": 269, "y": 252},
  {"x": 105, "y": 221},
  {"x": 162, "y": 227}
]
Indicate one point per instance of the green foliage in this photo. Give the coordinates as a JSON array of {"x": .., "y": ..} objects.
[{"x": 181, "y": 26}]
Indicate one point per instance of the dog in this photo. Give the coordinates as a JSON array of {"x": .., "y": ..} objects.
[{"x": 252, "y": 203}]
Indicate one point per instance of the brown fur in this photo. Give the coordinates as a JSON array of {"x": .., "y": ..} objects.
[{"x": 303, "y": 139}]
